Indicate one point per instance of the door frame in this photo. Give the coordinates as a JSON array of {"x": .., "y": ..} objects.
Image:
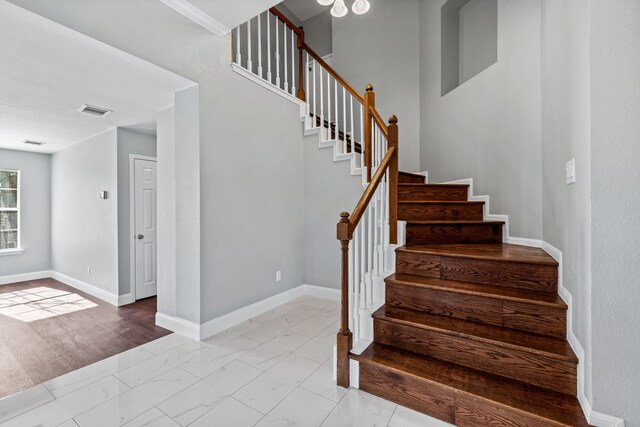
[{"x": 132, "y": 218}]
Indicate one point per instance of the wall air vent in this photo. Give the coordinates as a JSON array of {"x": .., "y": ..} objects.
[
  {"x": 33, "y": 142},
  {"x": 96, "y": 111}
]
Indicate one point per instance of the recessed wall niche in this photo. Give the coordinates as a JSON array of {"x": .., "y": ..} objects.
[{"x": 469, "y": 37}]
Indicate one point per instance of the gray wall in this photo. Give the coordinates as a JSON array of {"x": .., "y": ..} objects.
[
  {"x": 85, "y": 227},
  {"x": 318, "y": 33},
  {"x": 35, "y": 212},
  {"x": 129, "y": 142},
  {"x": 250, "y": 150},
  {"x": 328, "y": 190},
  {"x": 478, "y": 26},
  {"x": 381, "y": 48},
  {"x": 615, "y": 175},
  {"x": 489, "y": 127},
  {"x": 566, "y": 209}
]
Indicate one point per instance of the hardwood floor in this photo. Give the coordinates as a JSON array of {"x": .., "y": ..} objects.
[{"x": 48, "y": 329}]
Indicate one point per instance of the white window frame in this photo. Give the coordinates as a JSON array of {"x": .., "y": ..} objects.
[{"x": 18, "y": 250}]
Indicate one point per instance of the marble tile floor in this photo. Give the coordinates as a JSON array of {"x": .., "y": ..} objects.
[{"x": 273, "y": 370}]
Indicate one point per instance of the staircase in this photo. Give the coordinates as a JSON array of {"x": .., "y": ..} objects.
[
  {"x": 472, "y": 331},
  {"x": 454, "y": 323}
]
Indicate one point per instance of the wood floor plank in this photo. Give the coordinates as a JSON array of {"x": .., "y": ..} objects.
[{"x": 32, "y": 352}]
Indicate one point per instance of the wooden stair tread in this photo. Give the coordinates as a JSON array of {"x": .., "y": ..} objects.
[
  {"x": 527, "y": 399},
  {"x": 416, "y": 184},
  {"x": 503, "y": 252},
  {"x": 470, "y": 288},
  {"x": 440, "y": 202},
  {"x": 541, "y": 345},
  {"x": 453, "y": 222}
]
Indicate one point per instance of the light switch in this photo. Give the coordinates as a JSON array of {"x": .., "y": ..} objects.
[
  {"x": 571, "y": 171},
  {"x": 104, "y": 195}
]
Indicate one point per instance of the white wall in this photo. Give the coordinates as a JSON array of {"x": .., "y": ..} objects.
[
  {"x": 251, "y": 209},
  {"x": 328, "y": 190},
  {"x": 615, "y": 175},
  {"x": 318, "y": 33},
  {"x": 85, "y": 227},
  {"x": 129, "y": 142},
  {"x": 566, "y": 209},
  {"x": 489, "y": 127},
  {"x": 35, "y": 212},
  {"x": 381, "y": 47}
]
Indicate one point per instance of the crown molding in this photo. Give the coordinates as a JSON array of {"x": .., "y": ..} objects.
[{"x": 199, "y": 17}]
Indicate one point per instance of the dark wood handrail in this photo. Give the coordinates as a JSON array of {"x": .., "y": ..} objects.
[
  {"x": 379, "y": 122},
  {"x": 361, "y": 207},
  {"x": 286, "y": 20},
  {"x": 334, "y": 73}
]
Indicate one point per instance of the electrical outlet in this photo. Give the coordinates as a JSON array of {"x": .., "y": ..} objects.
[
  {"x": 278, "y": 276},
  {"x": 570, "y": 173}
]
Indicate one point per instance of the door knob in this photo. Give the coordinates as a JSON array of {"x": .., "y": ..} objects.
[{"x": 140, "y": 237}]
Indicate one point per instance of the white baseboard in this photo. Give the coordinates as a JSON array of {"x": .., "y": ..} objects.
[
  {"x": 243, "y": 314},
  {"x": 126, "y": 299},
  {"x": 321, "y": 292},
  {"x": 179, "y": 326},
  {"x": 595, "y": 418},
  {"x": 17, "y": 278},
  {"x": 86, "y": 287},
  {"x": 219, "y": 324}
]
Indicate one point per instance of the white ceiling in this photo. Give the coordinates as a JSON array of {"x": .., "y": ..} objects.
[
  {"x": 47, "y": 72},
  {"x": 305, "y": 9}
]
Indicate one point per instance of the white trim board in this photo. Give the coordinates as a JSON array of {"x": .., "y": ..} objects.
[
  {"x": 226, "y": 321},
  {"x": 17, "y": 278},
  {"x": 185, "y": 8},
  {"x": 94, "y": 291},
  {"x": 85, "y": 287},
  {"x": 266, "y": 84},
  {"x": 595, "y": 418}
]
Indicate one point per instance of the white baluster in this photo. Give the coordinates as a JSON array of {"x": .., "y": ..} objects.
[
  {"x": 293, "y": 64},
  {"x": 356, "y": 271},
  {"x": 370, "y": 255},
  {"x": 353, "y": 133},
  {"x": 315, "y": 98},
  {"x": 374, "y": 206},
  {"x": 260, "y": 46},
  {"x": 363, "y": 260},
  {"x": 238, "y": 54},
  {"x": 344, "y": 116},
  {"x": 249, "y": 62},
  {"x": 352, "y": 290},
  {"x": 330, "y": 136},
  {"x": 337, "y": 113},
  {"x": 308, "y": 94},
  {"x": 269, "y": 47},
  {"x": 285, "y": 62},
  {"x": 321, "y": 98},
  {"x": 277, "y": 53}
]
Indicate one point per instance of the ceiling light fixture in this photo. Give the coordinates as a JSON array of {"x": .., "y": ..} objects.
[
  {"x": 339, "y": 9},
  {"x": 361, "y": 7}
]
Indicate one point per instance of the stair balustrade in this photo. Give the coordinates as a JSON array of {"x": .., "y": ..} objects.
[{"x": 350, "y": 121}]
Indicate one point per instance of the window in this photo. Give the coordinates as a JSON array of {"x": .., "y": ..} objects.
[{"x": 9, "y": 210}]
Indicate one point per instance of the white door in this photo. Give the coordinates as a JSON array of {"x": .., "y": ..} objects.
[{"x": 145, "y": 205}]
